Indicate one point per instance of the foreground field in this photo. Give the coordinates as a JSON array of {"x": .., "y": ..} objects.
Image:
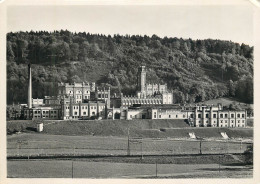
[
  {"x": 43, "y": 144},
  {"x": 90, "y": 169}
]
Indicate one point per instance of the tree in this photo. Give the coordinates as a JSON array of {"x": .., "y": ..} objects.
[
  {"x": 249, "y": 154},
  {"x": 74, "y": 49}
]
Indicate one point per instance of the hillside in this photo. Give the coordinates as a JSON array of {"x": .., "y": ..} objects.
[
  {"x": 137, "y": 128},
  {"x": 194, "y": 70}
]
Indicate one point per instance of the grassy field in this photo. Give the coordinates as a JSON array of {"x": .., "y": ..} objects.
[
  {"x": 90, "y": 169},
  {"x": 137, "y": 128},
  {"x": 227, "y": 102},
  {"x": 43, "y": 144}
]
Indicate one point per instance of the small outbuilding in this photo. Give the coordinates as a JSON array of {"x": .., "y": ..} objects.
[{"x": 39, "y": 126}]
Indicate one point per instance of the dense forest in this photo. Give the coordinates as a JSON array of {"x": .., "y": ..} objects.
[{"x": 194, "y": 70}]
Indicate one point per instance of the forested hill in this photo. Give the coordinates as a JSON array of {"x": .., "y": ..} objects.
[{"x": 195, "y": 70}]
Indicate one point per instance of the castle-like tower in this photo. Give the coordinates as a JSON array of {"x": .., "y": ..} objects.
[{"x": 141, "y": 79}]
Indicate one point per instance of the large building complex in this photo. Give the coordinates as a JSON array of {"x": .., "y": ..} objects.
[
  {"x": 147, "y": 94},
  {"x": 152, "y": 101}
]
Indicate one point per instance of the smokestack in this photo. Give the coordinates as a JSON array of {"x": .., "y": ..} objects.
[{"x": 29, "y": 86}]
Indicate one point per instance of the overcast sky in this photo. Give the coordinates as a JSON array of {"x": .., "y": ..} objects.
[{"x": 233, "y": 23}]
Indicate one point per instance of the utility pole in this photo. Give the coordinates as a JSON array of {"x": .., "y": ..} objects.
[
  {"x": 142, "y": 149},
  {"x": 72, "y": 169},
  {"x": 200, "y": 147},
  {"x": 240, "y": 147},
  {"x": 219, "y": 159},
  {"x": 227, "y": 147},
  {"x": 128, "y": 143},
  {"x": 156, "y": 168}
]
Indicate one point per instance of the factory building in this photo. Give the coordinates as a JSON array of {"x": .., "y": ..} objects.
[
  {"x": 147, "y": 94},
  {"x": 197, "y": 116},
  {"x": 86, "y": 101}
]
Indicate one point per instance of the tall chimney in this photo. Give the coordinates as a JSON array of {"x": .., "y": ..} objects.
[{"x": 29, "y": 86}]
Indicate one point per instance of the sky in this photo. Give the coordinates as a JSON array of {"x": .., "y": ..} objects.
[{"x": 232, "y": 22}]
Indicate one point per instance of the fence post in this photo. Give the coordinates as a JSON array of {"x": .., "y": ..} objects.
[
  {"x": 72, "y": 170},
  {"x": 156, "y": 168},
  {"x": 128, "y": 143},
  {"x": 200, "y": 147}
]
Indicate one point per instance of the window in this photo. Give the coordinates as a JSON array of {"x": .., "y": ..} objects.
[
  {"x": 99, "y": 95},
  {"x": 159, "y": 116},
  {"x": 243, "y": 115},
  {"x": 225, "y": 121},
  {"x": 155, "y": 116},
  {"x": 221, "y": 115},
  {"x": 91, "y": 107},
  {"x": 238, "y": 115},
  {"x": 214, "y": 116},
  {"x": 207, "y": 115},
  {"x": 74, "y": 107},
  {"x": 183, "y": 116},
  {"x": 95, "y": 107},
  {"x": 35, "y": 111},
  {"x": 199, "y": 115},
  {"x": 221, "y": 121},
  {"x": 191, "y": 115},
  {"x": 169, "y": 116},
  {"x": 84, "y": 113},
  {"x": 232, "y": 115},
  {"x": 225, "y": 115},
  {"x": 176, "y": 116},
  {"x": 130, "y": 116},
  {"x": 106, "y": 95},
  {"x": 102, "y": 95},
  {"x": 75, "y": 113}
]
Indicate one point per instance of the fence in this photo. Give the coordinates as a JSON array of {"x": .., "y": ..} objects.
[{"x": 131, "y": 147}]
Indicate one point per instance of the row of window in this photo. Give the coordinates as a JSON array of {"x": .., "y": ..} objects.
[
  {"x": 222, "y": 115},
  {"x": 85, "y": 107},
  {"x": 52, "y": 116},
  {"x": 226, "y": 121},
  {"x": 102, "y": 95},
  {"x": 46, "y": 112},
  {"x": 78, "y": 92}
]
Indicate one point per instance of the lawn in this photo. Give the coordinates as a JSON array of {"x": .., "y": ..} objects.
[
  {"x": 90, "y": 169},
  {"x": 43, "y": 144}
]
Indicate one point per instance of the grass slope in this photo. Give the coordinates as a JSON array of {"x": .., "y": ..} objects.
[
  {"x": 137, "y": 128},
  {"x": 227, "y": 102}
]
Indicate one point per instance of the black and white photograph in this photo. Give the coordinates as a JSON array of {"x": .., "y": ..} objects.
[{"x": 129, "y": 90}]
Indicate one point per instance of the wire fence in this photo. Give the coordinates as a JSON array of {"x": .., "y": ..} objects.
[{"x": 128, "y": 147}]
